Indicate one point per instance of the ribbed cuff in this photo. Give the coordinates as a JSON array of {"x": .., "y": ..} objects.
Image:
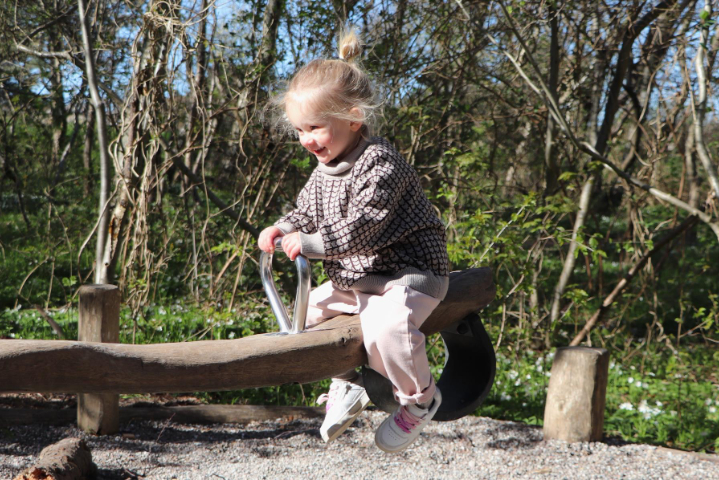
[
  {"x": 286, "y": 227},
  {"x": 423, "y": 281},
  {"x": 312, "y": 245}
]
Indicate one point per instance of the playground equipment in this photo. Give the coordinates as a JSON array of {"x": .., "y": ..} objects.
[
  {"x": 335, "y": 346},
  {"x": 467, "y": 375}
]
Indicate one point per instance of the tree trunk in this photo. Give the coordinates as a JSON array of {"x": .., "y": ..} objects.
[
  {"x": 87, "y": 150},
  {"x": 550, "y": 161},
  {"x": 101, "y": 272},
  {"x": 700, "y": 103}
]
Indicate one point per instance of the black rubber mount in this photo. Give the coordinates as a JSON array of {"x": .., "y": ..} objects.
[{"x": 466, "y": 378}]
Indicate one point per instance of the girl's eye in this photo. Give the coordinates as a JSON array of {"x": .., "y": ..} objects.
[{"x": 313, "y": 127}]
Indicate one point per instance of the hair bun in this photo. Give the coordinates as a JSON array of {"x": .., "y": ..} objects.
[{"x": 349, "y": 45}]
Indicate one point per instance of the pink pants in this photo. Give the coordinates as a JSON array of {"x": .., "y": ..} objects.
[{"x": 390, "y": 326}]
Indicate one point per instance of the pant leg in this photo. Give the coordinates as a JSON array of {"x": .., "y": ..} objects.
[
  {"x": 326, "y": 302},
  {"x": 395, "y": 346}
]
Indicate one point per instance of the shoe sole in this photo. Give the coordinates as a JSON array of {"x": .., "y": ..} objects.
[{"x": 354, "y": 412}]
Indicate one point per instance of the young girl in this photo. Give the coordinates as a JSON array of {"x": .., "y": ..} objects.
[{"x": 363, "y": 212}]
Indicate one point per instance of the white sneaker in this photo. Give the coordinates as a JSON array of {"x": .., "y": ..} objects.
[
  {"x": 345, "y": 401},
  {"x": 402, "y": 428}
]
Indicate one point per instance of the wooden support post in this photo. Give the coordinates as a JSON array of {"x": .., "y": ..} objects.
[
  {"x": 99, "y": 322},
  {"x": 574, "y": 411}
]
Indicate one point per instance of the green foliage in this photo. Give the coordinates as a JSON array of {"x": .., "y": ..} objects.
[{"x": 650, "y": 399}]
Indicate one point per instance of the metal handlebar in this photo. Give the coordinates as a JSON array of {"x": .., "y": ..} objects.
[{"x": 299, "y": 316}]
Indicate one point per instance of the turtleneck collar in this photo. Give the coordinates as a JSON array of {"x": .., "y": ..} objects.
[{"x": 342, "y": 164}]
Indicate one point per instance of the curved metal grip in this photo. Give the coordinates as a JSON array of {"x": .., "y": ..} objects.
[{"x": 299, "y": 316}]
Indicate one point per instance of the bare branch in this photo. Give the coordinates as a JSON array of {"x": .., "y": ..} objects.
[
  {"x": 584, "y": 146},
  {"x": 79, "y": 63},
  {"x": 609, "y": 300}
]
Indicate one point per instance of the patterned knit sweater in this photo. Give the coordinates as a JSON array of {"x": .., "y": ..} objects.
[{"x": 366, "y": 216}]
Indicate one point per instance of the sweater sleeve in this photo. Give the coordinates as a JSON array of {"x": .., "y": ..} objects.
[
  {"x": 302, "y": 217},
  {"x": 378, "y": 187}
]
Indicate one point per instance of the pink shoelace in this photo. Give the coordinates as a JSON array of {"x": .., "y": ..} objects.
[
  {"x": 406, "y": 420},
  {"x": 328, "y": 397}
]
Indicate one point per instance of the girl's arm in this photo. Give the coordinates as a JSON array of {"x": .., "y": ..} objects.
[{"x": 301, "y": 218}]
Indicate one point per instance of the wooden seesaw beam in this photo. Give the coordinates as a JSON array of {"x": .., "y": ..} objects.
[{"x": 59, "y": 366}]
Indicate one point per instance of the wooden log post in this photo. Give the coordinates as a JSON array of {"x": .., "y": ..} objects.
[
  {"x": 574, "y": 411},
  {"x": 99, "y": 322}
]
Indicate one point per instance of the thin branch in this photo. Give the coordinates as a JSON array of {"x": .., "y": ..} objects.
[
  {"x": 196, "y": 182},
  {"x": 609, "y": 300},
  {"x": 57, "y": 328},
  {"x": 52, "y": 22},
  {"x": 79, "y": 63}
]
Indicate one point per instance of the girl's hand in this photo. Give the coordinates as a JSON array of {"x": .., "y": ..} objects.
[
  {"x": 266, "y": 242},
  {"x": 292, "y": 245}
]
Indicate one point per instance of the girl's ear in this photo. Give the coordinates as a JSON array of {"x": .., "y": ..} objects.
[{"x": 355, "y": 125}]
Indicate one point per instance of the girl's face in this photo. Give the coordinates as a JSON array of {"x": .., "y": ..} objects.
[{"x": 325, "y": 138}]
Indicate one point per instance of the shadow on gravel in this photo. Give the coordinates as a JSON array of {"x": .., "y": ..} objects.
[
  {"x": 513, "y": 435},
  {"x": 174, "y": 433},
  {"x": 117, "y": 474},
  {"x": 156, "y": 438}
]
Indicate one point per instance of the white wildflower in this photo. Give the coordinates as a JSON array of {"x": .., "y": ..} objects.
[
  {"x": 626, "y": 406},
  {"x": 648, "y": 411}
]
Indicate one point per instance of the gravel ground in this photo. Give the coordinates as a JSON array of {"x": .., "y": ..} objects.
[{"x": 472, "y": 447}]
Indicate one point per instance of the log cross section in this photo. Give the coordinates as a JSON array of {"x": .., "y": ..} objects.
[{"x": 58, "y": 366}]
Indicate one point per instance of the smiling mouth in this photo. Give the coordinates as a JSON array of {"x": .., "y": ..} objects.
[{"x": 317, "y": 152}]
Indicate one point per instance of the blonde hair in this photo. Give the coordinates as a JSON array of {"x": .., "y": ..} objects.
[{"x": 331, "y": 88}]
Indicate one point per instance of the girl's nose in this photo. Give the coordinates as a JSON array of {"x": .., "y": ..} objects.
[{"x": 307, "y": 142}]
